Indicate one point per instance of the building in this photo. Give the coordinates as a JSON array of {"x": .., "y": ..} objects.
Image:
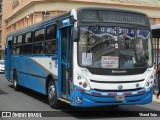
[
  {"x": 26, "y": 12},
  {"x": 6, "y": 10},
  {"x": 0, "y": 25}
]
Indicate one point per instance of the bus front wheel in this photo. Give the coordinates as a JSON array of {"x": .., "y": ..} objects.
[
  {"x": 15, "y": 81},
  {"x": 52, "y": 95}
]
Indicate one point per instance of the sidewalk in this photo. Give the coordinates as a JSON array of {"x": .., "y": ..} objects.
[{"x": 155, "y": 99}]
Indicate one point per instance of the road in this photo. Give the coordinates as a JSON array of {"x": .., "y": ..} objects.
[{"x": 27, "y": 100}]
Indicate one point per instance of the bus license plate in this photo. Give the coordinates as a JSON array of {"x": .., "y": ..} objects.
[{"x": 120, "y": 98}]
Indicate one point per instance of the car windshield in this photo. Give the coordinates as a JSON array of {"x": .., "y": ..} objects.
[{"x": 114, "y": 47}]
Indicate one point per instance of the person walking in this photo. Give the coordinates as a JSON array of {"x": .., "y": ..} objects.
[
  {"x": 158, "y": 73},
  {"x": 155, "y": 79}
]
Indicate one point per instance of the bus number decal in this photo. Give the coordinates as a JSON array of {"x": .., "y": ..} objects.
[
  {"x": 109, "y": 61},
  {"x": 86, "y": 58}
]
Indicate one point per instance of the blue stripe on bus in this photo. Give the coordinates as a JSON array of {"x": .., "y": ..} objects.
[
  {"x": 31, "y": 74},
  {"x": 103, "y": 98}
]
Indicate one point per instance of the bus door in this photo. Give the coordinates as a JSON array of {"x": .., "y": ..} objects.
[
  {"x": 8, "y": 58},
  {"x": 64, "y": 59}
]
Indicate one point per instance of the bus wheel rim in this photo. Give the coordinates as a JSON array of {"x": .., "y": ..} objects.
[
  {"x": 15, "y": 83},
  {"x": 52, "y": 92}
]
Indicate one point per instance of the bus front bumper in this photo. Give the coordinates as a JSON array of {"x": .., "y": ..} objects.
[{"x": 84, "y": 98}]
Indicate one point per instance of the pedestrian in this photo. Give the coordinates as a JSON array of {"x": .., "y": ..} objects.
[
  {"x": 155, "y": 78},
  {"x": 158, "y": 73}
]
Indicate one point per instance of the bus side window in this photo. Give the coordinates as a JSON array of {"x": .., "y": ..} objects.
[
  {"x": 13, "y": 46},
  {"x": 38, "y": 41},
  {"x": 51, "y": 32},
  {"x": 18, "y": 46},
  {"x": 39, "y": 35},
  {"x": 27, "y": 49},
  {"x": 51, "y": 47},
  {"x": 51, "y": 42}
]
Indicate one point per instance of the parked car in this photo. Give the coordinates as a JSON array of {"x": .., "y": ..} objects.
[{"x": 2, "y": 66}]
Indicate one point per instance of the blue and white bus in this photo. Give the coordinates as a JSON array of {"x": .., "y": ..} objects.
[{"x": 85, "y": 57}]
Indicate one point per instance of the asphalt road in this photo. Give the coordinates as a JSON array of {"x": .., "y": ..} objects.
[{"x": 28, "y": 100}]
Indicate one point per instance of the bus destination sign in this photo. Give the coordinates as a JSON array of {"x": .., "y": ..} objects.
[
  {"x": 122, "y": 18},
  {"x": 113, "y": 17}
]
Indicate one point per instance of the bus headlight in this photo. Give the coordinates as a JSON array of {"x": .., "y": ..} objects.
[
  {"x": 85, "y": 85},
  {"x": 82, "y": 82},
  {"x": 149, "y": 81}
]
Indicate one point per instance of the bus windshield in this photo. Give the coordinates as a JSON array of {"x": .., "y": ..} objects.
[{"x": 114, "y": 47}]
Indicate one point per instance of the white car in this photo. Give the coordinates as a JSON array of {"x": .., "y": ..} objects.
[{"x": 2, "y": 67}]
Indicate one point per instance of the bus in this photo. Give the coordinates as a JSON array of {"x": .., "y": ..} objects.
[{"x": 85, "y": 57}]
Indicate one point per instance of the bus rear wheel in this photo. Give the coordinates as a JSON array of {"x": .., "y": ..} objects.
[
  {"x": 15, "y": 82},
  {"x": 52, "y": 95}
]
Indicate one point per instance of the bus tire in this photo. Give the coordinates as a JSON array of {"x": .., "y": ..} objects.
[
  {"x": 15, "y": 82},
  {"x": 52, "y": 95}
]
